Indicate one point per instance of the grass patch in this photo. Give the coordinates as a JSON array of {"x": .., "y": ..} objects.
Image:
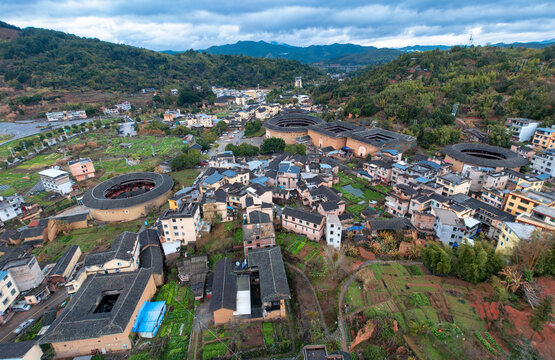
[
  {"x": 214, "y": 350},
  {"x": 185, "y": 177},
  {"x": 354, "y": 294},
  {"x": 268, "y": 331},
  {"x": 257, "y": 133}
]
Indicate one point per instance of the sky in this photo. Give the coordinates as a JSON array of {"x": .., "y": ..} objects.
[{"x": 182, "y": 25}]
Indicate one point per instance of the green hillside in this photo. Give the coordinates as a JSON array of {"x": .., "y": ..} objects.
[
  {"x": 417, "y": 91},
  {"x": 50, "y": 59}
]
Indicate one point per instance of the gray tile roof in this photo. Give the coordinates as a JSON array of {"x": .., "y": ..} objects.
[
  {"x": 121, "y": 248},
  {"x": 273, "y": 280},
  {"x": 16, "y": 350},
  {"x": 303, "y": 215},
  {"x": 63, "y": 262},
  {"x": 224, "y": 287},
  {"x": 398, "y": 223},
  {"x": 78, "y": 320}
]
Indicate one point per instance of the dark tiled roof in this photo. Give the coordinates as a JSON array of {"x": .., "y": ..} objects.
[
  {"x": 258, "y": 217},
  {"x": 16, "y": 350},
  {"x": 149, "y": 237},
  {"x": 224, "y": 287},
  {"x": 121, "y": 248},
  {"x": 471, "y": 153},
  {"x": 273, "y": 281},
  {"x": 78, "y": 320},
  {"x": 152, "y": 258},
  {"x": 74, "y": 218},
  {"x": 303, "y": 215},
  {"x": 398, "y": 223},
  {"x": 64, "y": 261}
]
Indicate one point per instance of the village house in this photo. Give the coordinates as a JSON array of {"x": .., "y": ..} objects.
[
  {"x": 100, "y": 316},
  {"x": 193, "y": 270},
  {"x": 397, "y": 201},
  {"x": 544, "y": 138},
  {"x": 520, "y": 181},
  {"x": 511, "y": 234},
  {"x": 181, "y": 225},
  {"x": 62, "y": 271},
  {"x": 151, "y": 256},
  {"x": 11, "y": 207},
  {"x": 454, "y": 184},
  {"x": 494, "y": 196},
  {"x": 303, "y": 222},
  {"x": 482, "y": 177},
  {"x": 542, "y": 217},
  {"x": 215, "y": 207},
  {"x": 544, "y": 162},
  {"x": 287, "y": 176},
  {"x": 8, "y": 294},
  {"x": 333, "y": 231},
  {"x": 23, "y": 350},
  {"x": 452, "y": 230},
  {"x": 393, "y": 225},
  {"x": 25, "y": 271},
  {"x": 523, "y": 201},
  {"x": 55, "y": 180},
  {"x": 258, "y": 235},
  {"x": 521, "y": 129},
  {"x": 123, "y": 256},
  {"x": 81, "y": 169}
]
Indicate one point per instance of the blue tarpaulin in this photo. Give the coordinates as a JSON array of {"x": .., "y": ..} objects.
[{"x": 149, "y": 318}]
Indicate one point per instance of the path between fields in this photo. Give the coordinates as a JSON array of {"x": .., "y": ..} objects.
[
  {"x": 346, "y": 285},
  {"x": 313, "y": 292}
]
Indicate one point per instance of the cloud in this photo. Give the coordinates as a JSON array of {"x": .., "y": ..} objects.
[{"x": 184, "y": 24}]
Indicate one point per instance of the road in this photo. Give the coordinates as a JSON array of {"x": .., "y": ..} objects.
[
  {"x": 6, "y": 330},
  {"x": 237, "y": 139}
]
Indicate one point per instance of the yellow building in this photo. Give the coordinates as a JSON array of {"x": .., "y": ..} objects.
[
  {"x": 544, "y": 138},
  {"x": 511, "y": 234},
  {"x": 521, "y": 202}
]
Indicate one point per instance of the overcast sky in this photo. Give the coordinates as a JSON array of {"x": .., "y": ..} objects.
[{"x": 181, "y": 25}]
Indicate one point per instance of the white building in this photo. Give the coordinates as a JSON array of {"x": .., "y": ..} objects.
[
  {"x": 124, "y": 106},
  {"x": 333, "y": 231},
  {"x": 522, "y": 129},
  {"x": 451, "y": 230},
  {"x": 10, "y": 207},
  {"x": 8, "y": 292},
  {"x": 298, "y": 82},
  {"x": 544, "y": 162},
  {"x": 55, "y": 180}
]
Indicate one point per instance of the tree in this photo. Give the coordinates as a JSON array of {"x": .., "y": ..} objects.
[
  {"x": 187, "y": 160},
  {"x": 537, "y": 254},
  {"x": 541, "y": 314},
  {"x": 296, "y": 149},
  {"x": 498, "y": 136},
  {"x": 272, "y": 145}
]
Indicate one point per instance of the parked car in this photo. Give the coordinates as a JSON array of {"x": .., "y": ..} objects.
[
  {"x": 24, "y": 325},
  {"x": 21, "y": 306}
]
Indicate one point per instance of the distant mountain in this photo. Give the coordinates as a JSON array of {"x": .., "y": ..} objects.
[
  {"x": 40, "y": 58},
  {"x": 370, "y": 57},
  {"x": 307, "y": 55},
  {"x": 531, "y": 45},
  {"x": 423, "y": 48}
]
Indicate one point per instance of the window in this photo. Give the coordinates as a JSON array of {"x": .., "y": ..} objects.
[{"x": 9, "y": 284}]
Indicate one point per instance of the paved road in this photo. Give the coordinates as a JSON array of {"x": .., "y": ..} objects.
[
  {"x": 6, "y": 330},
  {"x": 345, "y": 287},
  {"x": 237, "y": 139}
]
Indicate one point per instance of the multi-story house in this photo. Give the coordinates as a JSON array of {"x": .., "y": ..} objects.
[
  {"x": 511, "y": 234},
  {"x": 494, "y": 196},
  {"x": 123, "y": 256},
  {"x": 258, "y": 235},
  {"x": 397, "y": 201},
  {"x": 544, "y": 138},
  {"x": 544, "y": 162},
  {"x": 81, "y": 169},
  {"x": 8, "y": 293},
  {"x": 520, "y": 181},
  {"x": 521, "y": 129},
  {"x": 333, "y": 231},
  {"x": 481, "y": 177},
  {"x": 380, "y": 170},
  {"x": 287, "y": 176},
  {"x": 454, "y": 184},
  {"x": 523, "y": 201},
  {"x": 25, "y": 271},
  {"x": 303, "y": 222},
  {"x": 452, "y": 230},
  {"x": 10, "y": 207},
  {"x": 55, "y": 180},
  {"x": 542, "y": 217},
  {"x": 181, "y": 225}
]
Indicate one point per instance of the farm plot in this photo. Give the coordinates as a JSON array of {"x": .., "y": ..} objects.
[{"x": 432, "y": 314}]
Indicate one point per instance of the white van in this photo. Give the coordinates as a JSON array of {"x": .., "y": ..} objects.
[{"x": 21, "y": 306}]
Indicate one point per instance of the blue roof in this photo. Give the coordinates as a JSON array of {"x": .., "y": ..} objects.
[
  {"x": 228, "y": 152},
  {"x": 422, "y": 179},
  {"x": 430, "y": 164},
  {"x": 543, "y": 176},
  {"x": 391, "y": 151},
  {"x": 289, "y": 169},
  {"x": 325, "y": 166},
  {"x": 214, "y": 178},
  {"x": 547, "y": 130},
  {"x": 400, "y": 166},
  {"x": 229, "y": 173},
  {"x": 3, "y": 274},
  {"x": 259, "y": 180},
  {"x": 362, "y": 172},
  {"x": 149, "y": 317}
]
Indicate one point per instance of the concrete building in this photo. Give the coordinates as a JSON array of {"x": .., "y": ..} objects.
[
  {"x": 485, "y": 177},
  {"x": 10, "y": 207},
  {"x": 81, "y": 169},
  {"x": 258, "y": 235},
  {"x": 299, "y": 82},
  {"x": 333, "y": 231},
  {"x": 100, "y": 316},
  {"x": 542, "y": 217},
  {"x": 123, "y": 256},
  {"x": 521, "y": 129},
  {"x": 303, "y": 222},
  {"x": 25, "y": 271},
  {"x": 544, "y": 162},
  {"x": 454, "y": 184},
  {"x": 451, "y": 230},
  {"x": 8, "y": 293},
  {"x": 55, "y": 180},
  {"x": 511, "y": 234},
  {"x": 544, "y": 138},
  {"x": 181, "y": 225},
  {"x": 523, "y": 201}
]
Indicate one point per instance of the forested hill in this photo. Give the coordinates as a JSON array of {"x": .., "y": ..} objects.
[
  {"x": 46, "y": 58},
  {"x": 417, "y": 91}
]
